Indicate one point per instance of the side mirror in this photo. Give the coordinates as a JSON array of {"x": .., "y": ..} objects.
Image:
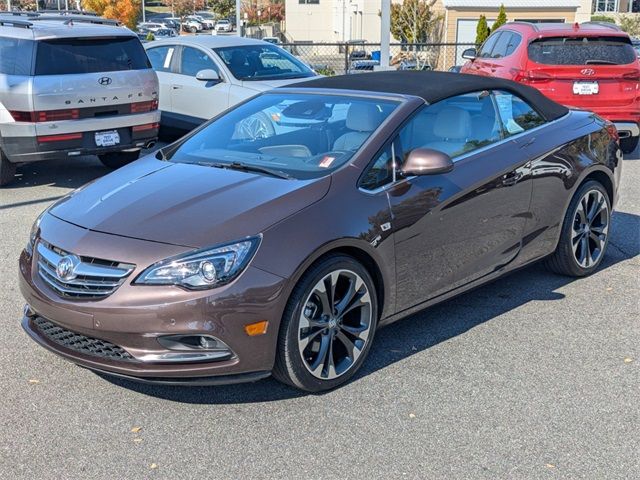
[
  {"x": 424, "y": 161},
  {"x": 470, "y": 54},
  {"x": 208, "y": 75}
]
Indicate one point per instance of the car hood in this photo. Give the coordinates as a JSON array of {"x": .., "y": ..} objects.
[{"x": 186, "y": 205}]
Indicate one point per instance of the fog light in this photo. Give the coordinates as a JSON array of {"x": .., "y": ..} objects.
[
  {"x": 258, "y": 328},
  {"x": 208, "y": 342}
]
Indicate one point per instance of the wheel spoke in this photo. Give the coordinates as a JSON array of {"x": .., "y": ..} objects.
[
  {"x": 355, "y": 331},
  {"x": 596, "y": 239},
  {"x": 305, "y": 341},
  {"x": 582, "y": 209},
  {"x": 349, "y": 345},
  {"x": 318, "y": 364},
  {"x": 596, "y": 207}
]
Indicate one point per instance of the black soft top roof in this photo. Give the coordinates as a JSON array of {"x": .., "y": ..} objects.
[{"x": 436, "y": 86}]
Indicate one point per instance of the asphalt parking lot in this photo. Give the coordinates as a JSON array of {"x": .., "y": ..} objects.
[{"x": 533, "y": 376}]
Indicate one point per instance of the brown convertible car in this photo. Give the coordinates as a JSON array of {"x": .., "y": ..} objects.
[{"x": 276, "y": 238}]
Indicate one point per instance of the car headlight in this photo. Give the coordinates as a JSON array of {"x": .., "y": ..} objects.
[
  {"x": 208, "y": 268},
  {"x": 33, "y": 235}
]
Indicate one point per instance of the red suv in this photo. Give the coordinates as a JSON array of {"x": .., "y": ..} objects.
[{"x": 590, "y": 65}]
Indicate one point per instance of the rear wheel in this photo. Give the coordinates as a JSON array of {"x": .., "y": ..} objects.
[
  {"x": 629, "y": 144},
  {"x": 7, "y": 170},
  {"x": 585, "y": 232},
  {"x": 118, "y": 159},
  {"x": 328, "y": 326}
]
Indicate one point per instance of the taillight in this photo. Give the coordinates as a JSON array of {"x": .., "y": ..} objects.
[
  {"x": 613, "y": 131},
  {"x": 530, "y": 76},
  {"x": 146, "y": 126},
  {"x": 60, "y": 138},
  {"x": 633, "y": 76},
  {"x": 46, "y": 115},
  {"x": 140, "y": 107}
]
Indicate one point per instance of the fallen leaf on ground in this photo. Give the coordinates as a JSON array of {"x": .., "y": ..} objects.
[
  {"x": 412, "y": 415},
  {"x": 628, "y": 360},
  {"x": 136, "y": 429},
  {"x": 33, "y": 380},
  {"x": 550, "y": 465},
  {"x": 153, "y": 466},
  {"x": 137, "y": 440},
  {"x": 609, "y": 289}
]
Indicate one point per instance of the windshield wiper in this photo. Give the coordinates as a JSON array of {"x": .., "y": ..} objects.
[
  {"x": 599, "y": 62},
  {"x": 250, "y": 168}
]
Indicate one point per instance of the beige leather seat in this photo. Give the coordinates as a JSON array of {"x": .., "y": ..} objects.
[
  {"x": 452, "y": 127},
  {"x": 362, "y": 119}
]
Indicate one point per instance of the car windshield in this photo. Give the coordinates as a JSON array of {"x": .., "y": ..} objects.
[
  {"x": 301, "y": 136},
  {"x": 262, "y": 62},
  {"x": 582, "y": 51}
]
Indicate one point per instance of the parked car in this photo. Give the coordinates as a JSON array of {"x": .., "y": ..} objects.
[
  {"x": 164, "y": 33},
  {"x": 207, "y": 24},
  {"x": 455, "y": 68},
  {"x": 201, "y": 76},
  {"x": 145, "y": 27},
  {"x": 188, "y": 24},
  {"x": 589, "y": 65},
  {"x": 636, "y": 45},
  {"x": 274, "y": 40},
  {"x": 224, "y": 25},
  {"x": 85, "y": 87},
  {"x": 225, "y": 258}
]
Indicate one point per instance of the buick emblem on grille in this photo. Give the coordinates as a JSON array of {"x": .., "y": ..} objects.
[
  {"x": 588, "y": 71},
  {"x": 65, "y": 270},
  {"x": 105, "y": 81}
]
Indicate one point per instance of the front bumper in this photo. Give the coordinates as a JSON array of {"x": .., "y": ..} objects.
[
  {"x": 133, "y": 317},
  {"x": 627, "y": 129}
]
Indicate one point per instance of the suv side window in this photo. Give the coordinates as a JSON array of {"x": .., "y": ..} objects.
[
  {"x": 194, "y": 60},
  {"x": 487, "y": 47},
  {"x": 15, "y": 56},
  {"x": 500, "y": 49},
  {"x": 516, "y": 38},
  {"x": 160, "y": 58},
  {"x": 516, "y": 115}
]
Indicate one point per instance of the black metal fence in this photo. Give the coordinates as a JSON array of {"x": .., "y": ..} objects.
[{"x": 341, "y": 58}]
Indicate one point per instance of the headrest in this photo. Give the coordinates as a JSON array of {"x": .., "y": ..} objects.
[
  {"x": 453, "y": 123},
  {"x": 363, "y": 117}
]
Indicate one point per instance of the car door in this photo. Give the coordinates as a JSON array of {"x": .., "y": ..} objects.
[
  {"x": 196, "y": 101},
  {"x": 503, "y": 62},
  {"x": 481, "y": 65},
  {"x": 161, "y": 58},
  {"x": 453, "y": 228}
]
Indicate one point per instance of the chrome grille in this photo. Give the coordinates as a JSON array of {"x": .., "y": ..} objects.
[
  {"x": 81, "y": 343},
  {"x": 90, "y": 278}
]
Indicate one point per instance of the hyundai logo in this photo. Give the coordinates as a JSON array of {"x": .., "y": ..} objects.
[
  {"x": 105, "y": 81},
  {"x": 588, "y": 71},
  {"x": 65, "y": 270}
]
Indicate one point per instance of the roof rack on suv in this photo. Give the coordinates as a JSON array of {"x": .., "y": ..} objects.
[
  {"x": 70, "y": 19},
  {"x": 610, "y": 25},
  {"x": 69, "y": 12},
  {"x": 12, "y": 21},
  {"x": 529, "y": 24},
  {"x": 19, "y": 14}
]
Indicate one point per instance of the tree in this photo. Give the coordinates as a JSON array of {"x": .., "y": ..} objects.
[
  {"x": 182, "y": 8},
  {"x": 501, "y": 20},
  {"x": 482, "y": 31},
  {"x": 413, "y": 21},
  {"x": 127, "y": 11},
  {"x": 266, "y": 12},
  {"x": 630, "y": 24},
  {"x": 223, "y": 8}
]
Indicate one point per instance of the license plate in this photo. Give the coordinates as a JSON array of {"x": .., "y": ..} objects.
[
  {"x": 586, "y": 88},
  {"x": 107, "y": 139}
]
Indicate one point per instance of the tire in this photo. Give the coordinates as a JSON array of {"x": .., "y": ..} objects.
[
  {"x": 312, "y": 353},
  {"x": 7, "y": 170},
  {"x": 578, "y": 253},
  {"x": 193, "y": 29},
  {"x": 629, "y": 144},
  {"x": 118, "y": 159}
]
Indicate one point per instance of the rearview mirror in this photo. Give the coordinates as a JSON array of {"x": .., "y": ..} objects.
[
  {"x": 470, "y": 54},
  {"x": 208, "y": 75},
  {"x": 425, "y": 161}
]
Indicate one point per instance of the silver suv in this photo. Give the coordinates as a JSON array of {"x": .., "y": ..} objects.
[{"x": 73, "y": 85}]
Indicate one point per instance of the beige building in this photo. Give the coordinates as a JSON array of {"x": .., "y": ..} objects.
[{"x": 344, "y": 20}]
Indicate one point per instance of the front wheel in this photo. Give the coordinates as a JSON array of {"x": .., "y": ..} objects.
[
  {"x": 328, "y": 326},
  {"x": 585, "y": 232},
  {"x": 629, "y": 144},
  {"x": 118, "y": 159}
]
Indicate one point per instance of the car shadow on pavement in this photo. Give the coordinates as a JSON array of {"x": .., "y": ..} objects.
[
  {"x": 58, "y": 173},
  {"x": 423, "y": 330}
]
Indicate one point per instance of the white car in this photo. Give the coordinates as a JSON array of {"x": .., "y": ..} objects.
[
  {"x": 201, "y": 76},
  {"x": 206, "y": 23},
  {"x": 224, "y": 25}
]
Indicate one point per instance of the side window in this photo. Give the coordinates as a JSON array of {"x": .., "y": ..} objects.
[
  {"x": 160, "y": 58},
  {"x": 500, "y": 49},
  {"x": 194, "y": 60},
  {"x": 514, "y": 43},
  {"x": 516, "y": 115},
  {"x": 380, "y": 172},
  {"x": 455, "y": 126},
  {"x": 15, "y": 56},
  {"x": 487, "y": 47}
]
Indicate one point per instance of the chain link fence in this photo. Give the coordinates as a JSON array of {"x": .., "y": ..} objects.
[{"x": 351, "y": 57}]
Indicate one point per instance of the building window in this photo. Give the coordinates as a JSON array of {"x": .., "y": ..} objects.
[
  {"x": 602, "y": 6},
  {"x": 310, "y": 2}
]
